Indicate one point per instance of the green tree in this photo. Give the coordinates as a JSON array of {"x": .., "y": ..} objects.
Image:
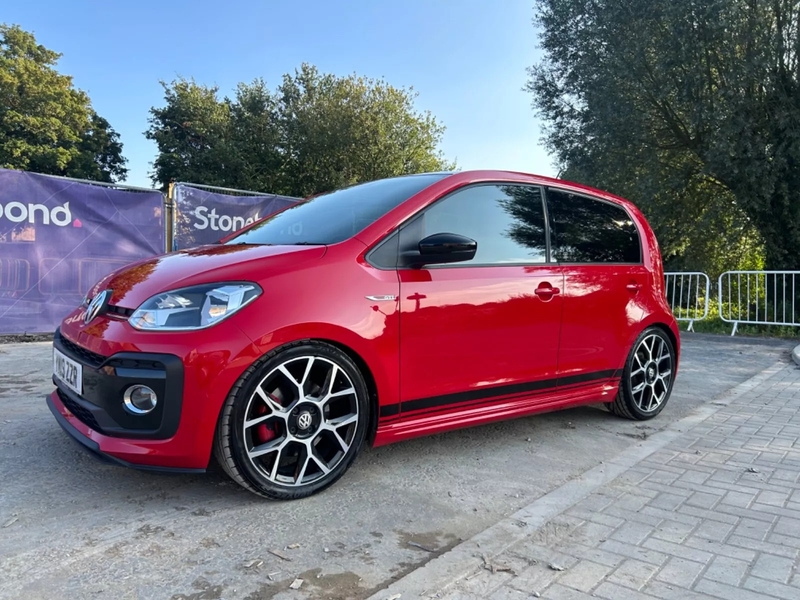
[
  {"x": 690, "y": 108},
  {"x": 342, "y": 130},
  {"x": 314, "y": 133},
  {"x": 257, "y": 139},
  {"x": 46, "y": 125},
  {"x": 192, "y": 133}
]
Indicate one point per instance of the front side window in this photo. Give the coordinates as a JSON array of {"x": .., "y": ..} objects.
[
  {"x": 334, "y": 217},
  {"x": 507, "y": 221},
  {"x": 583, "y": 230}
]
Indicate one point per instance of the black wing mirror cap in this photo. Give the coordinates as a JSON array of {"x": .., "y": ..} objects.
[{"x": 442, "y": 248}]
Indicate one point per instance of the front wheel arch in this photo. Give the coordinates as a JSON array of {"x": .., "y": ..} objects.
[
  {"x": 369, "y": 379},
  {"x": 361, "y": 363}
]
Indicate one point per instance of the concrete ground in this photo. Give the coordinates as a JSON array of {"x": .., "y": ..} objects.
[{"x": 72, "y": 527}]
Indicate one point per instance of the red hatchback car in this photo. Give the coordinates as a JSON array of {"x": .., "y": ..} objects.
[{"x": 379, "y": 312}]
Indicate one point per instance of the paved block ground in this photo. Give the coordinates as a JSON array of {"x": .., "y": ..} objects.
[{"x": 713, "y": 513}]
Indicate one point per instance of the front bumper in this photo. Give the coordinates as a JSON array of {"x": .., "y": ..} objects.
[
  {"x": 194, "y": 371},
  {"x": 105, "y": 380},
  {"x": 93, "y": 447}
]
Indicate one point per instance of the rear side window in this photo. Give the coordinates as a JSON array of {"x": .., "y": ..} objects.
[{"x": 583, "y": 230}]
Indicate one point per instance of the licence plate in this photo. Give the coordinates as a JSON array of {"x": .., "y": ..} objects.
[{"x": 69, "y": 372}]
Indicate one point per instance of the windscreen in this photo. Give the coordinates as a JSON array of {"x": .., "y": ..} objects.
[{"x": 336, "y": 216}]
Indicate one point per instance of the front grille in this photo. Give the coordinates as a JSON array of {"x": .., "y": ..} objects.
[
  {"x": 84, "y": 416},
  {"x": 131, "y": 363},
  {"x": 86, "y": 356},
  {"x": 119, "y": 311}
]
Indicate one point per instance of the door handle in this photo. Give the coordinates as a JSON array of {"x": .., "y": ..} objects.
[
  {"x": 634, "y": 287},
  {"x": 545, "y": 291}
]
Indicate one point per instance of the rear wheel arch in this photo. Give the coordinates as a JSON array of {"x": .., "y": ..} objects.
[
  {"x": 649, "y": 323},
  {"x": 672, "y": 338}
]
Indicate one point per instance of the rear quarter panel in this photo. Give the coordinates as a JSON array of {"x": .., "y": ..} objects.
[{"x": 656, "y": 310}]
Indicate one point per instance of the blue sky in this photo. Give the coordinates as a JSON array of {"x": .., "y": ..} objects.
[{"x": 465, "y": 58}]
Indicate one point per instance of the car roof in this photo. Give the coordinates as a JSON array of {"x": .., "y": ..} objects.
[{"x": 486, "y": 175}]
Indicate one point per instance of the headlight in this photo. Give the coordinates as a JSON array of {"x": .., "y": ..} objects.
[{"x": 194, "y": 307}]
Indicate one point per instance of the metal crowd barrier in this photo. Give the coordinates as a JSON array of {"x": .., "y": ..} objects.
[
  {"x": 688, "y": 296},
  {"x": 759, "y": 298}
]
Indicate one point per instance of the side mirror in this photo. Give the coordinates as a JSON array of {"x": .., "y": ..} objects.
[{"x": 443, "y": 248}]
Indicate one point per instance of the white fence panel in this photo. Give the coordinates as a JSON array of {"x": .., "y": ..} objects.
[
  {"x": 759, "y": 298},
  {"x": 688, "y": 295}
]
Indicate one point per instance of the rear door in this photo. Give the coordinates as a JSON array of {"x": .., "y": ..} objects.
[
  {"x": 474, "y": 331},
  {"x": 598, "y": 248}
]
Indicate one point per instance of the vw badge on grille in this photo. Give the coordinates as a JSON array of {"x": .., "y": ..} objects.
[{"x": 98, "y": 303}]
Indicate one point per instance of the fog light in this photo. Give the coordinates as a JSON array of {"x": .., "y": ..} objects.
[{"x": 140, "y": 399}]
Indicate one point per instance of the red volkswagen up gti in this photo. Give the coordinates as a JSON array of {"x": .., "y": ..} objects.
[{"x": 376, "y": 313}]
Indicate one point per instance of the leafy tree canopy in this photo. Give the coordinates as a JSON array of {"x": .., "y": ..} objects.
[
  {"x": 46, "y": 125},
  {"x": 691, "y": 109},
  {"x": 313, "y": 133}
]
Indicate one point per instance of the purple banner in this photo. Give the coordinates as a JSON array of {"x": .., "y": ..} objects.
[
  {"x": 204, "y": 217},
  {"x": 58, "y": 237}
]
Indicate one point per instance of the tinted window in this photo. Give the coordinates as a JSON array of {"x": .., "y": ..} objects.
[
  {"x": 507, "y": 221},
  {"x": 590, "y": 231},
  {"x": 336, "y": 216}
]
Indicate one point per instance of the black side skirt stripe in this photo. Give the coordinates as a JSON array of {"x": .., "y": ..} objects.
[
  {"x": 390, "y": 410},
  {"x": 496, "y": 391}
]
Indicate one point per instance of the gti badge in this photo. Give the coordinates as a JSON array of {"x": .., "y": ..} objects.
[{"x": 98, "y": 304}]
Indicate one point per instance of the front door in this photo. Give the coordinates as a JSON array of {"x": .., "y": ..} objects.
[{"x": 476, "y": 331}]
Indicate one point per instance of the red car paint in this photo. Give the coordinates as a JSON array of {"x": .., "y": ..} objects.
[{"x": 531, "y": 333}]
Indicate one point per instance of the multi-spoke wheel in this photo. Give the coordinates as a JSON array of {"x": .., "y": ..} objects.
[
  {"x": 647, "y": 380},
  {"x": 294, "y": 422}
]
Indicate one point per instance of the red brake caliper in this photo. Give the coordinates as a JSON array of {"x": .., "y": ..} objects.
[{"x": 264, "y": 432}]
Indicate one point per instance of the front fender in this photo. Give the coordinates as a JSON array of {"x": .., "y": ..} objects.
[{"x": 375, "y": 341}]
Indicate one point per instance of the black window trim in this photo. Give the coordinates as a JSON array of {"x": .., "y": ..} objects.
[
  {"x": 369, "y": 256},
  {"x": 567, "y": 190},
  {"x": 420, "y": 213}
]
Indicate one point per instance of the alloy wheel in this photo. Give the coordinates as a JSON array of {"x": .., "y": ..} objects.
[
  {"x": 651, "y": 372},
  {"x": 300, "y": 421}
]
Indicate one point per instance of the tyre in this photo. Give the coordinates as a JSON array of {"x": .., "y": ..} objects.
[
  {"x": 647, "y": 378},
  {"x": 294, "y": 422}
]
